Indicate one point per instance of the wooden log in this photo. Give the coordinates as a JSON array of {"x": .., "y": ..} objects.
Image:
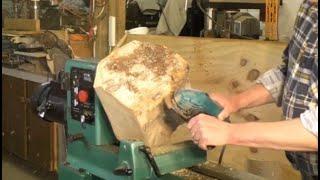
[
  {"x": 22, "y": 24},
  {"x": 132, "y": 83}
]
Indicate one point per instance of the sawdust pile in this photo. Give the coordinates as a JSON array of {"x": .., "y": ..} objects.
[{"x": 190, "y": 175}]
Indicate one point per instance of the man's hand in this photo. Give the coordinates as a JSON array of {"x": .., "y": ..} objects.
[
  {"x": 228, "y": 103},
  {"x": 209, "y": 131},
  {"x": 255, "y": 96}
]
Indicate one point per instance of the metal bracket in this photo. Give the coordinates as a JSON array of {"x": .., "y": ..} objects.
[
  {"x": 151, "y": 159},
  {"x": 123, "y": 170},
  {"x": 75, "y": 137},
  {"x": 65, "y": 80}
]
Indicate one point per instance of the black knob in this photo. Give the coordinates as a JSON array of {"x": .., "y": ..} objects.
[
  {"x": 75, "y": 137},
  {"x": 123, "y": 171}
]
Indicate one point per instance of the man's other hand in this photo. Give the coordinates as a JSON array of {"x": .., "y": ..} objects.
[
  {"x": 228, "y": 103},
  {"x": 209, "y": 131}
]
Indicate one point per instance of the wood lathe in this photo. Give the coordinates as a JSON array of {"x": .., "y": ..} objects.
[{"x": 96, "y": 151}]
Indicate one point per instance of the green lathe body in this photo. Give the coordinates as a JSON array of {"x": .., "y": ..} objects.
[{"x": 97, "y": 154}]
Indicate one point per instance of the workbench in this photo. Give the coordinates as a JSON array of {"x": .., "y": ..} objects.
[
  {"x": 23, "y": 133},
  {"x": 25, "y": 75}
]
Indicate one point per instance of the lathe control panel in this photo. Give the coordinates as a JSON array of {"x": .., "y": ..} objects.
[{"x": 82, "y": 95}]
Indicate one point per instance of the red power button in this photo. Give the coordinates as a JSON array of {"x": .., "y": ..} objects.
[{"x": 83, "y": 96}]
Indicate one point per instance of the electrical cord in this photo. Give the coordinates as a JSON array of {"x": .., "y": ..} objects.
[{"x": 101, "y": 14}]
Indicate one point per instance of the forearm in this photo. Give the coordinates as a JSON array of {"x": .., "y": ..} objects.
[
  {"x": 268, "y": 89},
  {"x": 285, "y": 135},
  {"x": 255, "y": 96}
]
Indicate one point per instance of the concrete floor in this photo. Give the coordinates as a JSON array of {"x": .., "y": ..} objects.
[{"x": 14, "y": 168}]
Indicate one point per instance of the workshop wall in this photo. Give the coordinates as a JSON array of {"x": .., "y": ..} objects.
[
  {"x": 7, "y": 10},
  {"x": 287, "y": 16}
]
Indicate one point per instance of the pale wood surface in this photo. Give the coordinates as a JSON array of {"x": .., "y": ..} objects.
[
  {"x": 61, "y": 34},
  {"x": 6, "y": 32},
  {"x": 214, "y": 64},
  {"x": 22, "y": 24},
  {"x": 39, "y": 55}
]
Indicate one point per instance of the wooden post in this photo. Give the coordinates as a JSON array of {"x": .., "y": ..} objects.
[
  {"x": 272, "y": 14},
  {"x": 101, "y": 44},
  {"x": 116, "y": 8},
  {"x": 121, "y": 22}
]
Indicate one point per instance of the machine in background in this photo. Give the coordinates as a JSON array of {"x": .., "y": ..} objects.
[
  {"x": 136, "y": 18},
  {"x": 235, "y": 24},
  {"x": 224, "y": 19},
  {"x": 150, "y": 18}
]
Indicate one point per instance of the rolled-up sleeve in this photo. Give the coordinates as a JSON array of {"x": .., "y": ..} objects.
[
  {"x": 309, "y": 120},
  {"x": 273, "y": 81}
]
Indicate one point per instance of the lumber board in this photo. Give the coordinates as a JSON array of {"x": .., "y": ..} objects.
[
  {"x": 101, "y": 42},
  {"x": 6, "y": 32},
  {"x": 39, "y": 55},
  {"x": 117, "y": 8},
  {"x": 222, "y": 66},
  {"x": 121, "y": 19},
  {"x": 214, "y": 63},
  {"x": 22, "y": 24}
]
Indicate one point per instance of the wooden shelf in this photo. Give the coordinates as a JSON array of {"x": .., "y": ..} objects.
[{"x": 19, "y": 33}]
